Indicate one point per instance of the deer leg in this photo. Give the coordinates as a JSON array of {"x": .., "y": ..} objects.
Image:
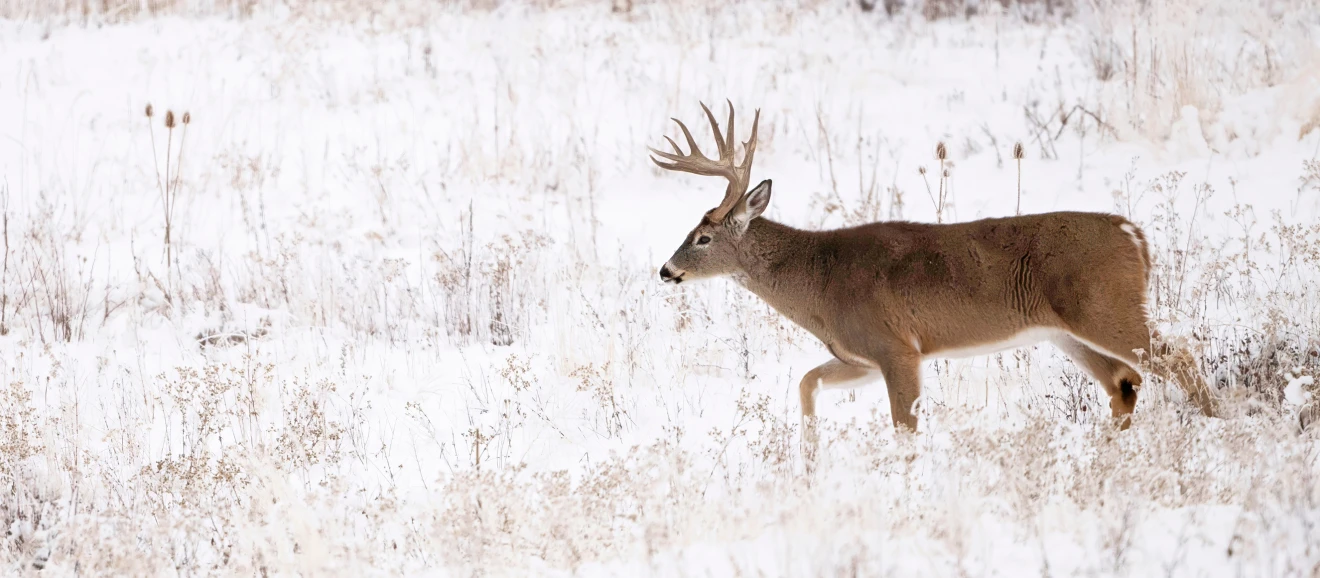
[
  {"x": 831, "y": 374},
  {"x": 1125, "y": 333},
  {"x": 903, "y": 377},
  {"x": 1117, "y": 378}
]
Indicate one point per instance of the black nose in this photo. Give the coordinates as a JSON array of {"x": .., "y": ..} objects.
[{"x": 665, "y": 275}]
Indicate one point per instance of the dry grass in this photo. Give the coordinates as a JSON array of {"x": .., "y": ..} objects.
[{"x": 1155, "y": 58}]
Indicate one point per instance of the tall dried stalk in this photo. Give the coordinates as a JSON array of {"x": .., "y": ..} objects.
[
  {"x": 170, "y": 183},
  {"x": 1018, "y": 153},
  {"x": 942, "y": 153}
]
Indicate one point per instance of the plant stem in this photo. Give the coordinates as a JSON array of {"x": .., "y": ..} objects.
[{"x": 1019, "y": 190}]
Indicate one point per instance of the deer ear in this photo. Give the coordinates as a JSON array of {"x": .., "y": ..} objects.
[{"x": 750, "y": 206}]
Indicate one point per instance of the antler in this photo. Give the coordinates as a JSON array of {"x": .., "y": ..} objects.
[{"x": 698, "y": 164}]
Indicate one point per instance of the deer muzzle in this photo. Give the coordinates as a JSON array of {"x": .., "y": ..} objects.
[{"x": 671, "y": 276}]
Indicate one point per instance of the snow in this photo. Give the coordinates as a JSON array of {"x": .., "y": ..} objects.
[
  {"x": 1295, "y": 392},
  {"x": 414, "y": 325}
]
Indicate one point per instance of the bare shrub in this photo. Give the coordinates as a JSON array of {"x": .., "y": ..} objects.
[
  {"x": 609, "y": 414},
  {"x": 940, "y": 9},
  {"x": 1259, "y": 362},
  {"x": 1157, "y": 57}
]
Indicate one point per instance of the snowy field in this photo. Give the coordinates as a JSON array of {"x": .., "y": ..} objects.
[{"x": 406, "y": 318}]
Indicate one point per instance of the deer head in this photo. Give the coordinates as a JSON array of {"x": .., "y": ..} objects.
[{"x": 711, "y": 249}]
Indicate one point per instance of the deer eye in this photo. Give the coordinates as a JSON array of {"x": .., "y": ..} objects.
[{"x": 703, "y": 240}]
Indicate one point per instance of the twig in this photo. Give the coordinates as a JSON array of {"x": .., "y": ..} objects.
[
  {"x": 4, "y": 271},
  {"x": 829, "y": 155}
]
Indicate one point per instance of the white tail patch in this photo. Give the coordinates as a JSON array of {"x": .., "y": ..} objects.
[{"x": 1132, "y": 233}]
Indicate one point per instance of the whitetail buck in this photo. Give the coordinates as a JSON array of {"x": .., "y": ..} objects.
[{"x": 885, "y": 296}]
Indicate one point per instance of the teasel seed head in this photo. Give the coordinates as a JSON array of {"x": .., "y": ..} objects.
[
  {"x": 169, "y": 119},
  {"x": 1018, "y": 151}
]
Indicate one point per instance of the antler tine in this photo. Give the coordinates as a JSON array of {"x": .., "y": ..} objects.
[
  {"x": 673, "y": 166},
  {"x": 692, "y": 162},
  {"x": 750, "y": 146},
  {"x": 729, "y": 128},
  {"x": 675, "y": 156},
  {"x": 715, "y": 129},
  {"x": 692, "y": 144},
  {"x": 677, "y": 151}
]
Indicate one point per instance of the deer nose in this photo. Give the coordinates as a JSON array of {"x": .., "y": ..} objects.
[{"x": 669, "y": 276}]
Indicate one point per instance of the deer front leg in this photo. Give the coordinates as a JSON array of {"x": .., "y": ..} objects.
[
  {"x": 831, "y": 374},
  {"x": 902, "y": 372}
]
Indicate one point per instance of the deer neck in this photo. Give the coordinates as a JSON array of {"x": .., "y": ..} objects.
[{"x": 771, "y": 261}]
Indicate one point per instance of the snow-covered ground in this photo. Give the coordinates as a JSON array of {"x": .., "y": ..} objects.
[{"x": 410, "y": 322}]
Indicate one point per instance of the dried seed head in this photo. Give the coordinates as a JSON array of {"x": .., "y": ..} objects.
[
  {"x": 921, "y": 170},
  {"x": 187, "y": 117},
  {"x": 169, "y": 119},
  {"x": 1018, "y": 151},
  {"x": 941, "y": 152},
  {"x": 150, "y": 111}
]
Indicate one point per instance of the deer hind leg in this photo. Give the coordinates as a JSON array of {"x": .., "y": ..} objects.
[
  {"x": 831, "y": 374},
  {"x": 1117, "y": 377},
  {"x": 1116, "y": 331},
  {"x": 1125, "y": 332}
]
